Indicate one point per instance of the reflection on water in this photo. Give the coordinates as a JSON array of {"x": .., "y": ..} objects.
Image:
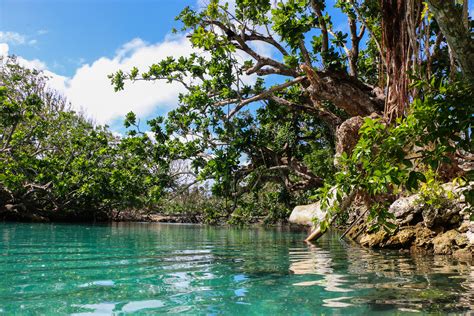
[
  {"x": 158, "y": 268},
  {"x": 402, "y": 281}
]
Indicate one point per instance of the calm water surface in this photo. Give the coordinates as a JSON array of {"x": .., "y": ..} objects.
[{"x": 163, "y": 268}]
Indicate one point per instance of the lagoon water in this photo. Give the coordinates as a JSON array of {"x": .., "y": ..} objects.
[{"x": 146, "y": 268}]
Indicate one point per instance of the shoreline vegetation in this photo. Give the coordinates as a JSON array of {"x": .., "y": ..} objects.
[{"x": 371, "y": 128}]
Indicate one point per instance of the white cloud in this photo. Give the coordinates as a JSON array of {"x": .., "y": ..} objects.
[
  {"x": 90, "y": 90},
  {"x": 3, "y": 49},
  {"x": 12, "y": 38},
  {"x": 34, "y": 63}
]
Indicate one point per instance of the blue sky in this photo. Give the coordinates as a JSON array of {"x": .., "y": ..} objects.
[
  {"x": 79, "y": 42},
  {"x": 67, "y": 33}
]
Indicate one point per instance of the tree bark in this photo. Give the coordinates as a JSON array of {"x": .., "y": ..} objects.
[
  {"x": 345, "y": 92},
  {"x": 346, "y": 202},
  {"x": 459, "y": 38}
]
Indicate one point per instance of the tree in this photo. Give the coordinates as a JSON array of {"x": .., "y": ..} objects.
[
  {"x": 315, "y": 79},
  {"x": 56, "y": 164},
  {"x": 454, "y": 24},
  {"x": 215, "y": 111}
]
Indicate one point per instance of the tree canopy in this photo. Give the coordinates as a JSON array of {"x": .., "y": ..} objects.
[
  {"x": 54, "y": 163},
  {"x": 257, "y": 116}
]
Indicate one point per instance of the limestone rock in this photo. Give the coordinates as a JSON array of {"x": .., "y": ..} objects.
[
  {"x": 470, "y": 236},
  {"x": 402, "y": 239},
  {"x": 405, "y": 209},
  {"x": 347, "y": 136},
  {"x": 374, "y": 240},
  {"x": 464, "y": 227},
  {"x": 449, "y": 241},
  {"x": 304, "y": 214},
  {"x": 443, "y": 228},
  {"x": 448, "y": 215},
  {"x": 424, "y": 236},
  {"x": 464, "y": 254},
  {"x": 410, "y": 210}
]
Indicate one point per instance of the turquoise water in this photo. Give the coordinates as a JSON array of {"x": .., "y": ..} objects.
[{"x": 164, "y": 268}]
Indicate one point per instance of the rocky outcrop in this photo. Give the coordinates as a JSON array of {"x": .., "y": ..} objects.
[
  {"x": 442, "y": 229},
  {"x": 347, "y": 136},
  {"x": 306, "y": 214},
  {"x": 406, "y": 209},
  {"x": 411, "y": 209}
]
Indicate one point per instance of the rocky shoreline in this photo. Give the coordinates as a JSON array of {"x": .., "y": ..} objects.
[{"x": 421, "y": 228}]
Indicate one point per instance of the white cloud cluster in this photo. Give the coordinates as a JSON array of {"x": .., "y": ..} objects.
[
  {"x": 15, "y": 38},
  {"x": 3, "y": 49},
  {"x": 90, "y": 90},
  {"x": 12, "y": 38},
  {"x": 33, "y": 63}
]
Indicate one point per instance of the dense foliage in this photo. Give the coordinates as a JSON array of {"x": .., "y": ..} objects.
[
  {"x": 56, "y": 164},
  {"x": 390, "y": 159},
  {"x": 267, "y": 119}
]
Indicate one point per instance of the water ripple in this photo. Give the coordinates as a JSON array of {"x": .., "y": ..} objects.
[{"x": 141, "y": 268}]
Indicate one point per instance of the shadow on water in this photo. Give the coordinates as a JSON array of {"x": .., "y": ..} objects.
[{"x": 123, "y": 268}]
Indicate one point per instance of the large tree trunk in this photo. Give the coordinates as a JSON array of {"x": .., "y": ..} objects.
[
  {"x": 450, "y": 21},
  {"x": 345, "y": 92},
  {"x": 398, "y": 37}
]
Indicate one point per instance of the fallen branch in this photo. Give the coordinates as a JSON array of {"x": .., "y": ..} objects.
[
  {"x": 353, "y": 224},
  {"x": 318, "y": 232}
]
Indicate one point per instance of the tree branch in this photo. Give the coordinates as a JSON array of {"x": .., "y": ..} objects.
[
  {"x": 260, "y": 96},
  {"x": 323, "y": 26}
]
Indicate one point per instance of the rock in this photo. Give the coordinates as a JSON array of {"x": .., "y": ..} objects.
[
  {"x": 444, "y": 216},
  {"x": 374, "y": 240},
  {"x": 411, "y": 236},
  {"x": 410, "y": 210},
  {"x": 406, "y": 209},
  {"x": 37, "y": 218},
  {"x": 464, "y": 227},
  {"x": 470, "y": 236},
  {"x": 446, "y": 243},
  {"x": 402, "y": 239},
  {"x": 464, "y": 254},
  {"x": 347, "y": 136},
  {"x": 304, "y": 214},
  {"x": 423, "y": 236},
  {"x": 442, "y": 228},
  {"x": 461, "y": 240}
]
